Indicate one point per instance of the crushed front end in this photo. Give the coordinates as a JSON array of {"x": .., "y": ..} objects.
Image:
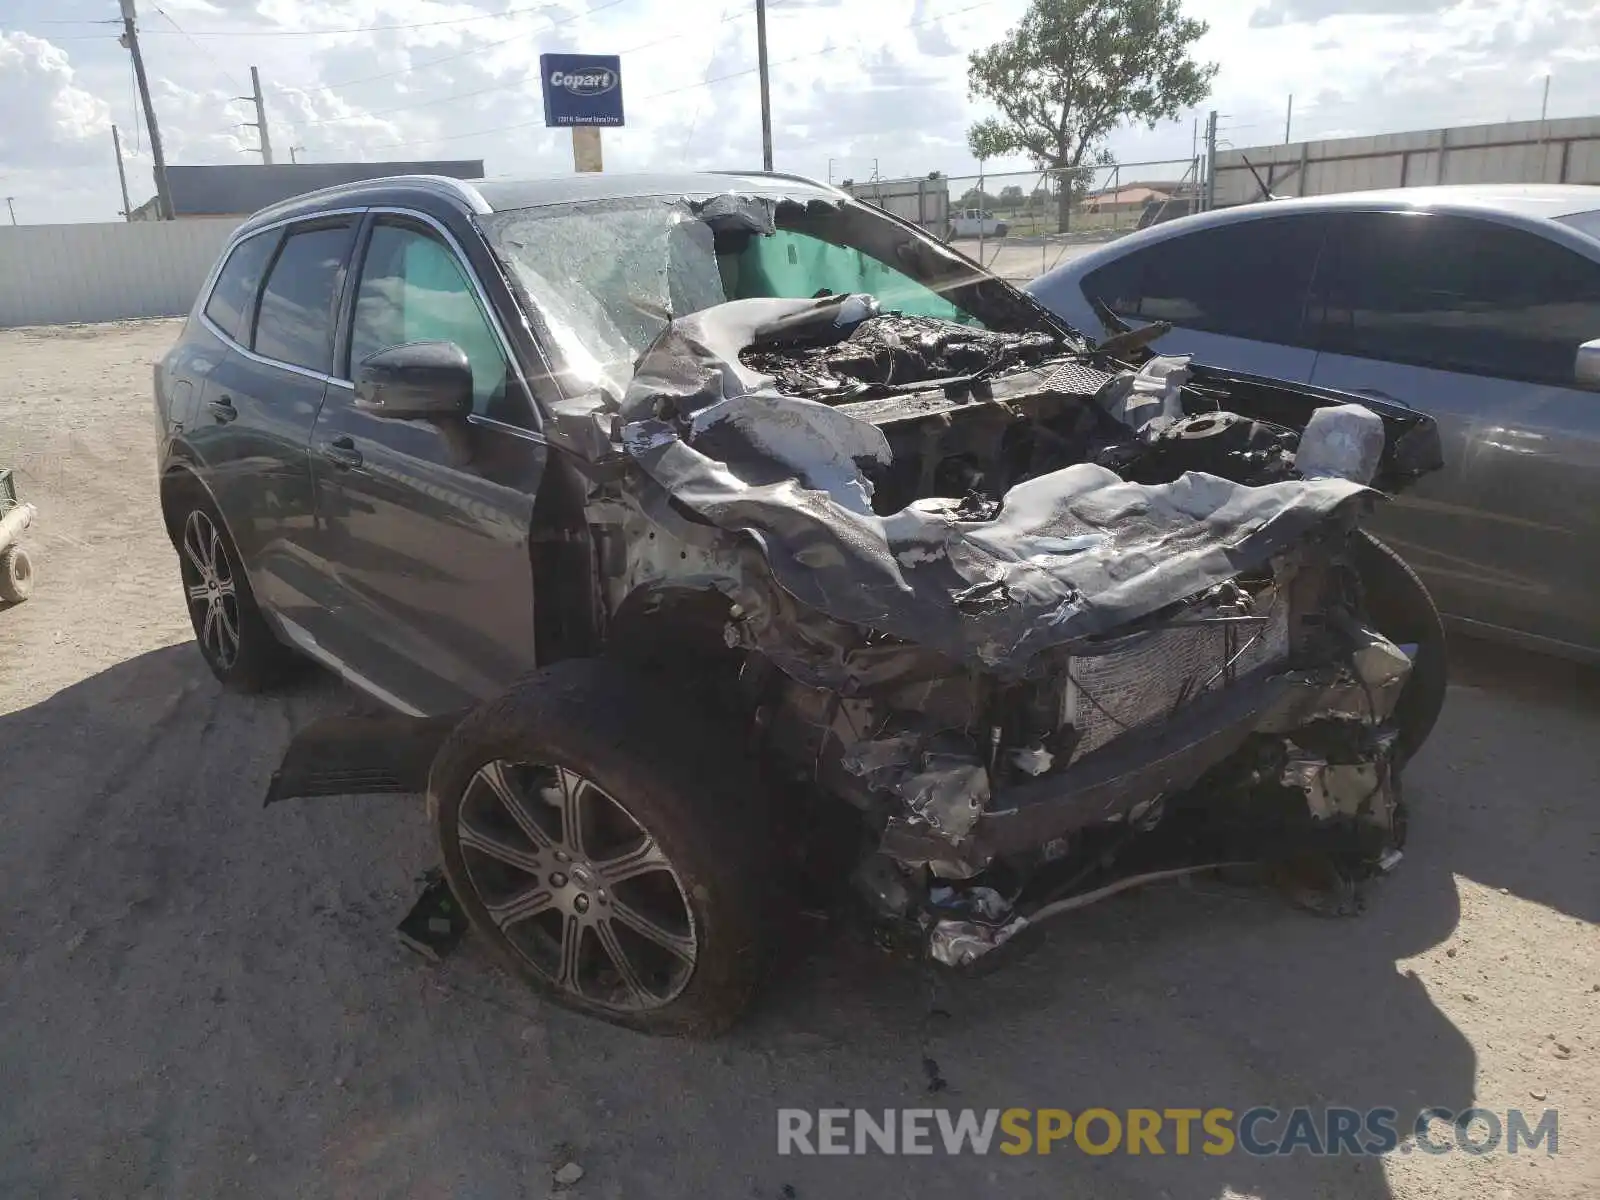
[{"x": 1046, "y": 619}]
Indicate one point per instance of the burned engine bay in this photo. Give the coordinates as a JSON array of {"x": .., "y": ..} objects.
[{"x": 1022, "y": 606}]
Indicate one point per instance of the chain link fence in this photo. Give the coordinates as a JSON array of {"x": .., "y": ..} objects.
[{"x": 1019, "y": 224}]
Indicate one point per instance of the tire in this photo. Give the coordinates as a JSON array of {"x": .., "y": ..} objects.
[
  {"x": 654, "y": 785},
  {"x": 16, "y": 575},
  {"x": 1400, "y": 607},
  {"x": 1002, "y": 230},
  {"x": 234, "y": 639}
]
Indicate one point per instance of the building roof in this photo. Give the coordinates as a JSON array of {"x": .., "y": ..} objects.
[
  {"x": 245, "y": 188},
  {"x": 1131, "y": 193}
]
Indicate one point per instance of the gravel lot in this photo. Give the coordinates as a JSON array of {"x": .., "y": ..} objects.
[
  {"x": 1021, "y": 259},
  {"x": 199, "y": 997}
]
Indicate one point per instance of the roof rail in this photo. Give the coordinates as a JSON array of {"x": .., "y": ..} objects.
[
  {"x": 789, "y": 175},
  {"x": 446, "y": 185}
]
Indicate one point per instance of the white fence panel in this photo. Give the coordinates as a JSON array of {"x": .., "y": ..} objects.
[
  {"x": 55, "y": 274},
  {"x": 1560, "y": 151}
]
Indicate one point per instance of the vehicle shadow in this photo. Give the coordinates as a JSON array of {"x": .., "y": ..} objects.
[
  {"x": 203, "y": 995},
  {"x": 1516, "y": 775}
]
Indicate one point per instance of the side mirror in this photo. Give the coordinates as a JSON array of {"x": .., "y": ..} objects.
[
  {"x": 1587, "y": 369},
  {"x": 419, "y": 381}
]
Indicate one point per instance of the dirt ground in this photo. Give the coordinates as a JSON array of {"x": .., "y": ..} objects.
[{"x": 199, "y": 997}]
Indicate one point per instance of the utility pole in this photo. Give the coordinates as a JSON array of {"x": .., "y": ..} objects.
[
  {"x": 766, "y": 93},
  {"x": 122, "y": 176},
  {"x": 10, "y": 208},
  {"x": 1544, "y": 108},
  {"x": 130, "y": 42},
  {"x": 292, "y": 153},
  {"x": 1288, "y": 119},
  {"x": 1211, "y": 161},
  {"x": 260, "y": 123}
]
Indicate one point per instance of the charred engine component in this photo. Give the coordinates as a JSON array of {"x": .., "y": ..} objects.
[
  {"x": 885, "y": 351},
  {"x": 1219, "y": 443}
]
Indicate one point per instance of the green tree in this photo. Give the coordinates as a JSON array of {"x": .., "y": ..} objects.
[
  {"x": 1073, "y": 70},
  {"x": 1010, "y": 197}
]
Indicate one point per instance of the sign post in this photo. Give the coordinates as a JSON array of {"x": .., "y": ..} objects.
[{"x": 582, "y": 92}]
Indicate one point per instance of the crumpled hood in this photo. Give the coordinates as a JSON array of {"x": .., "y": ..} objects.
[{"x": 1070, "y": 554}]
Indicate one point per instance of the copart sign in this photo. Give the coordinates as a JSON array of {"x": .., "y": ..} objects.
[{"x": 581, "y": 89}]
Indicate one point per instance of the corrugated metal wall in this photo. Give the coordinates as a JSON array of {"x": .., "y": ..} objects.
[
  {"x": 921, "y": 201},
  {"x": 1565, "y": 151},
  {"x": 54, "y": 274}
]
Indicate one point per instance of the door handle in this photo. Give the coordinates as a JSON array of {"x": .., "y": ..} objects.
[
  {"x": 222, "y": 409},
  {"x": 342, "y": 453}
]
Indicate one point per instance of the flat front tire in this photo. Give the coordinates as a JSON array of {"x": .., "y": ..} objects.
[
  {"x": 611, "y": 846},
  {"x": 1401, "y": 609}
]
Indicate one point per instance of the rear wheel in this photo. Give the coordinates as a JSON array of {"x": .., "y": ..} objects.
[
  {"x": 233, "y": 637},
  {"x": 1401, "y": 609},
  {"x": 610, "y": 846}
]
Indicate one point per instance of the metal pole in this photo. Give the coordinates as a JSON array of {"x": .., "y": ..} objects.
[
  {"x": 1211, "y": 161},
  {"x": 1288, "y": 119},
  {"x": 981, "y": 211},
  {"x": 122, "y": 176},
  {"x": 766, "y": 93},
  {"x": 130, "y": 39},
  {"x": 1544, "y": 108},
  {"x": 261, "y": 117},
  {"x": 10, "y": 208}
]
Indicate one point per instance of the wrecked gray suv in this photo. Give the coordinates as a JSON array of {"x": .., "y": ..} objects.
[{"x": 711, "y": 540}]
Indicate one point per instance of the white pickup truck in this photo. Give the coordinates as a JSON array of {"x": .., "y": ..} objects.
[{"x": 976, "y": 222}]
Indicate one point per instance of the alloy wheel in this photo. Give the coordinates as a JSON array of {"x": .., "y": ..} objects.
[
  {"x": 579, "y": 889},
  {"x": 212, "y": 594}
]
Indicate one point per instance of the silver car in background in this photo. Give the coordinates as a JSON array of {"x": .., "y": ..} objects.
[{"x": 1477, "y": 304}]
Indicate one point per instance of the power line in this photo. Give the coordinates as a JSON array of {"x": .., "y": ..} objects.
[
  {"x": 694, "y": 122},
  {"x": 829, "y": 49},
  {"x": 204, "y": 52},
  {"x": 516, "y": 83},
  {"x": 229, "y": 33},
  {"x": 478, "y": 49}
]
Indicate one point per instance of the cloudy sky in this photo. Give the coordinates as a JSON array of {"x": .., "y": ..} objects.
[{"x": 854, "y": 82}]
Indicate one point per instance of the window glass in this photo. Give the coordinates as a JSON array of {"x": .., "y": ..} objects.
[
  {"x": 1459, "y": 294},
  {"x": 1584, "y": 222},
  {"x": 295, "y": 321},
  {"x": 796, "y": 266},
  {"x": 236, "y": 284},
  {"x": 413, "y": 289},
  {"x": 1246, "y": 280}
]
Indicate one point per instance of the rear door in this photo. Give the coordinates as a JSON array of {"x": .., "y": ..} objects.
[
  {"x": 1235, "y": 294},
  {"x": 257, "y": 409},
  {"x": 1478, "y": 324},
  {"x": 428, "y": 523}
]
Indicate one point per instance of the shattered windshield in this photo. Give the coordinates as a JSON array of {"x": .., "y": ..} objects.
[{"x": 607, "y": 276}]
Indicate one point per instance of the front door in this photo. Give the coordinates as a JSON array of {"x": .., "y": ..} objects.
[
  {"x": 1478, "y": 324},
  {"x": 427, "y": 523},
  {"x": 1235, "y": 293}
]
